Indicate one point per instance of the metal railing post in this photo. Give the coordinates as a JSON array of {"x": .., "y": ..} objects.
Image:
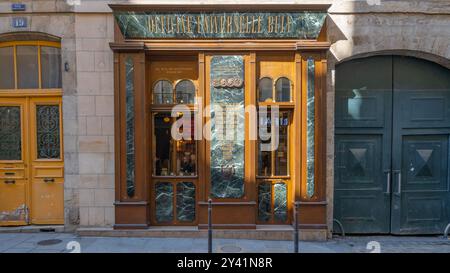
[
  {"x": 296, "y": 206},
  {"x": 209, "y": 225}
]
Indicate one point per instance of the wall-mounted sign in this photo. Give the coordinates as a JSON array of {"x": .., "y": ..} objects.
[
  {"x": 18, "y": 7},
  {"x": 241, "y": 25},
  {"x": 19, "y": 22},
  {"x": 228, "y": 82}
]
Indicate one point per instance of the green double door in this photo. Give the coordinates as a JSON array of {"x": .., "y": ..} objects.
[{"x": 392, "y": 132}]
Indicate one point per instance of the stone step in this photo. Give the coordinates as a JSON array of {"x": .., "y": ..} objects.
[
  {"x": 260, "y": 233},
  {"x": 32, "y": 229}
]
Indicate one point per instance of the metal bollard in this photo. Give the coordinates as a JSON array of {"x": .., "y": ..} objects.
[
  {"x": 209, "y": 225},
  {"x": 296, "y": 205}
]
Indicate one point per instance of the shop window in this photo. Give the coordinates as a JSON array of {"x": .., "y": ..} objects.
[
  {"x": 185, "y": 92},
  {"x": 172, "y": 157},
  {"x": 283, "y": 90},
  {"x": 274, "y": 163},
  {"x": 30, "y": 65},
  {"x": 265, "y": 89},
  {"x": 280, "y": 92},
  {"x": 163, "y": 92}
]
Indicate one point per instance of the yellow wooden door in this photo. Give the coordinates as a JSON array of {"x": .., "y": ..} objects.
[
  {"x": 13, "y": 161},
  {"x": 46, "y": 161}
]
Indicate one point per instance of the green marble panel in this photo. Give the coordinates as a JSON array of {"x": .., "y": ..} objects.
[
  {"x": 220, "y": 25},
  {"x": 185, "y": 201},
  {"x": 280, "y": 202},
  {"x": 264, "y": 202},
  {"x": 227, "y": 127},
  {"x": 164, "y": 201},
  {"x": 310, "y": 120},
  {"x": 129, "y": 116}
]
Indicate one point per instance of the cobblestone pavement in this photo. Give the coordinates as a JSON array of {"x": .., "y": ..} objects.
[{"x": 60, "y": 242}]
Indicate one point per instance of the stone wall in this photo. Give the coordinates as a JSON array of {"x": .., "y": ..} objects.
[
  {"x": 95, "y": 118},
  {"x": 60, "y": 24}
]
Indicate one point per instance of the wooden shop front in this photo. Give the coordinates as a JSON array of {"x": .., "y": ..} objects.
[{"x": 237, "y": 57}]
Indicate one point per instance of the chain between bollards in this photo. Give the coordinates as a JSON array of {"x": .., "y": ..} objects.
[
  {"x": 209, "y": 225},
  {"x": 296, "y": 206}
]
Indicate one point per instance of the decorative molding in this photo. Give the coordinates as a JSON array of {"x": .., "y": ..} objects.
[
  {"x": 312, "y": 46},
  {"x": 221, "y": 7},
  {"x": 249, "y": 203},
  {"x": 127, "y": 47},
  {"x": 28, "y": 36},
  {"x": 133, "y": 203}
]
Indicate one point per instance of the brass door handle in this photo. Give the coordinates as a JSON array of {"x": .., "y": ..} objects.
[
  {"x": 49, "y": 180},
  {"x": 10, "y": 181}
]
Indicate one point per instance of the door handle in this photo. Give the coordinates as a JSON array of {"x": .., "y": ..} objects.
[
  {"x": 388, "y": 182},
  {"x": 8, "y": 173},
  {"x": 10, "y": 181},
  {"x": 399, "y": 177},
  {"x": 49, "y": 180}
]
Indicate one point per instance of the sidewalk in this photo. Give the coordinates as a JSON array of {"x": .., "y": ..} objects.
[{"x": 57, "y": 243}]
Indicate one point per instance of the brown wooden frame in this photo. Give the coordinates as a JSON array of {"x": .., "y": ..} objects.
[{"x": 227, "y": 213}]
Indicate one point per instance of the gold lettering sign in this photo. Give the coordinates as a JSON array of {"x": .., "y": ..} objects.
[
  {"x": 230, "y": 83},
  {"x": 302, "y": 25}
]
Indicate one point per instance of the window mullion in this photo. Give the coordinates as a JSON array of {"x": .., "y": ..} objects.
[
  {"x": 39, "y": 67},
  {"x": 15, "y": 66}
]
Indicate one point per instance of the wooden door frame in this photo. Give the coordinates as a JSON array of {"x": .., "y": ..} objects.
[{"x": 28, "y": 124}]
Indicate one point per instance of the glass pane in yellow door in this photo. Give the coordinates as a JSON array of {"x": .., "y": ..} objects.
[
  {"x": 48, "y": 135},
  {"x": 10, "y": 133}
]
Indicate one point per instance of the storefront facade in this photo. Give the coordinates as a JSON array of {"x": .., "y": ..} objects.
[{"x": 90, "y": 145}]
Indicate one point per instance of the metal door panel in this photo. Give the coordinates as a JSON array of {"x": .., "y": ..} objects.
[
  {"x": 362, "y": 145},
  {"x": 420, "y": 156}
]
